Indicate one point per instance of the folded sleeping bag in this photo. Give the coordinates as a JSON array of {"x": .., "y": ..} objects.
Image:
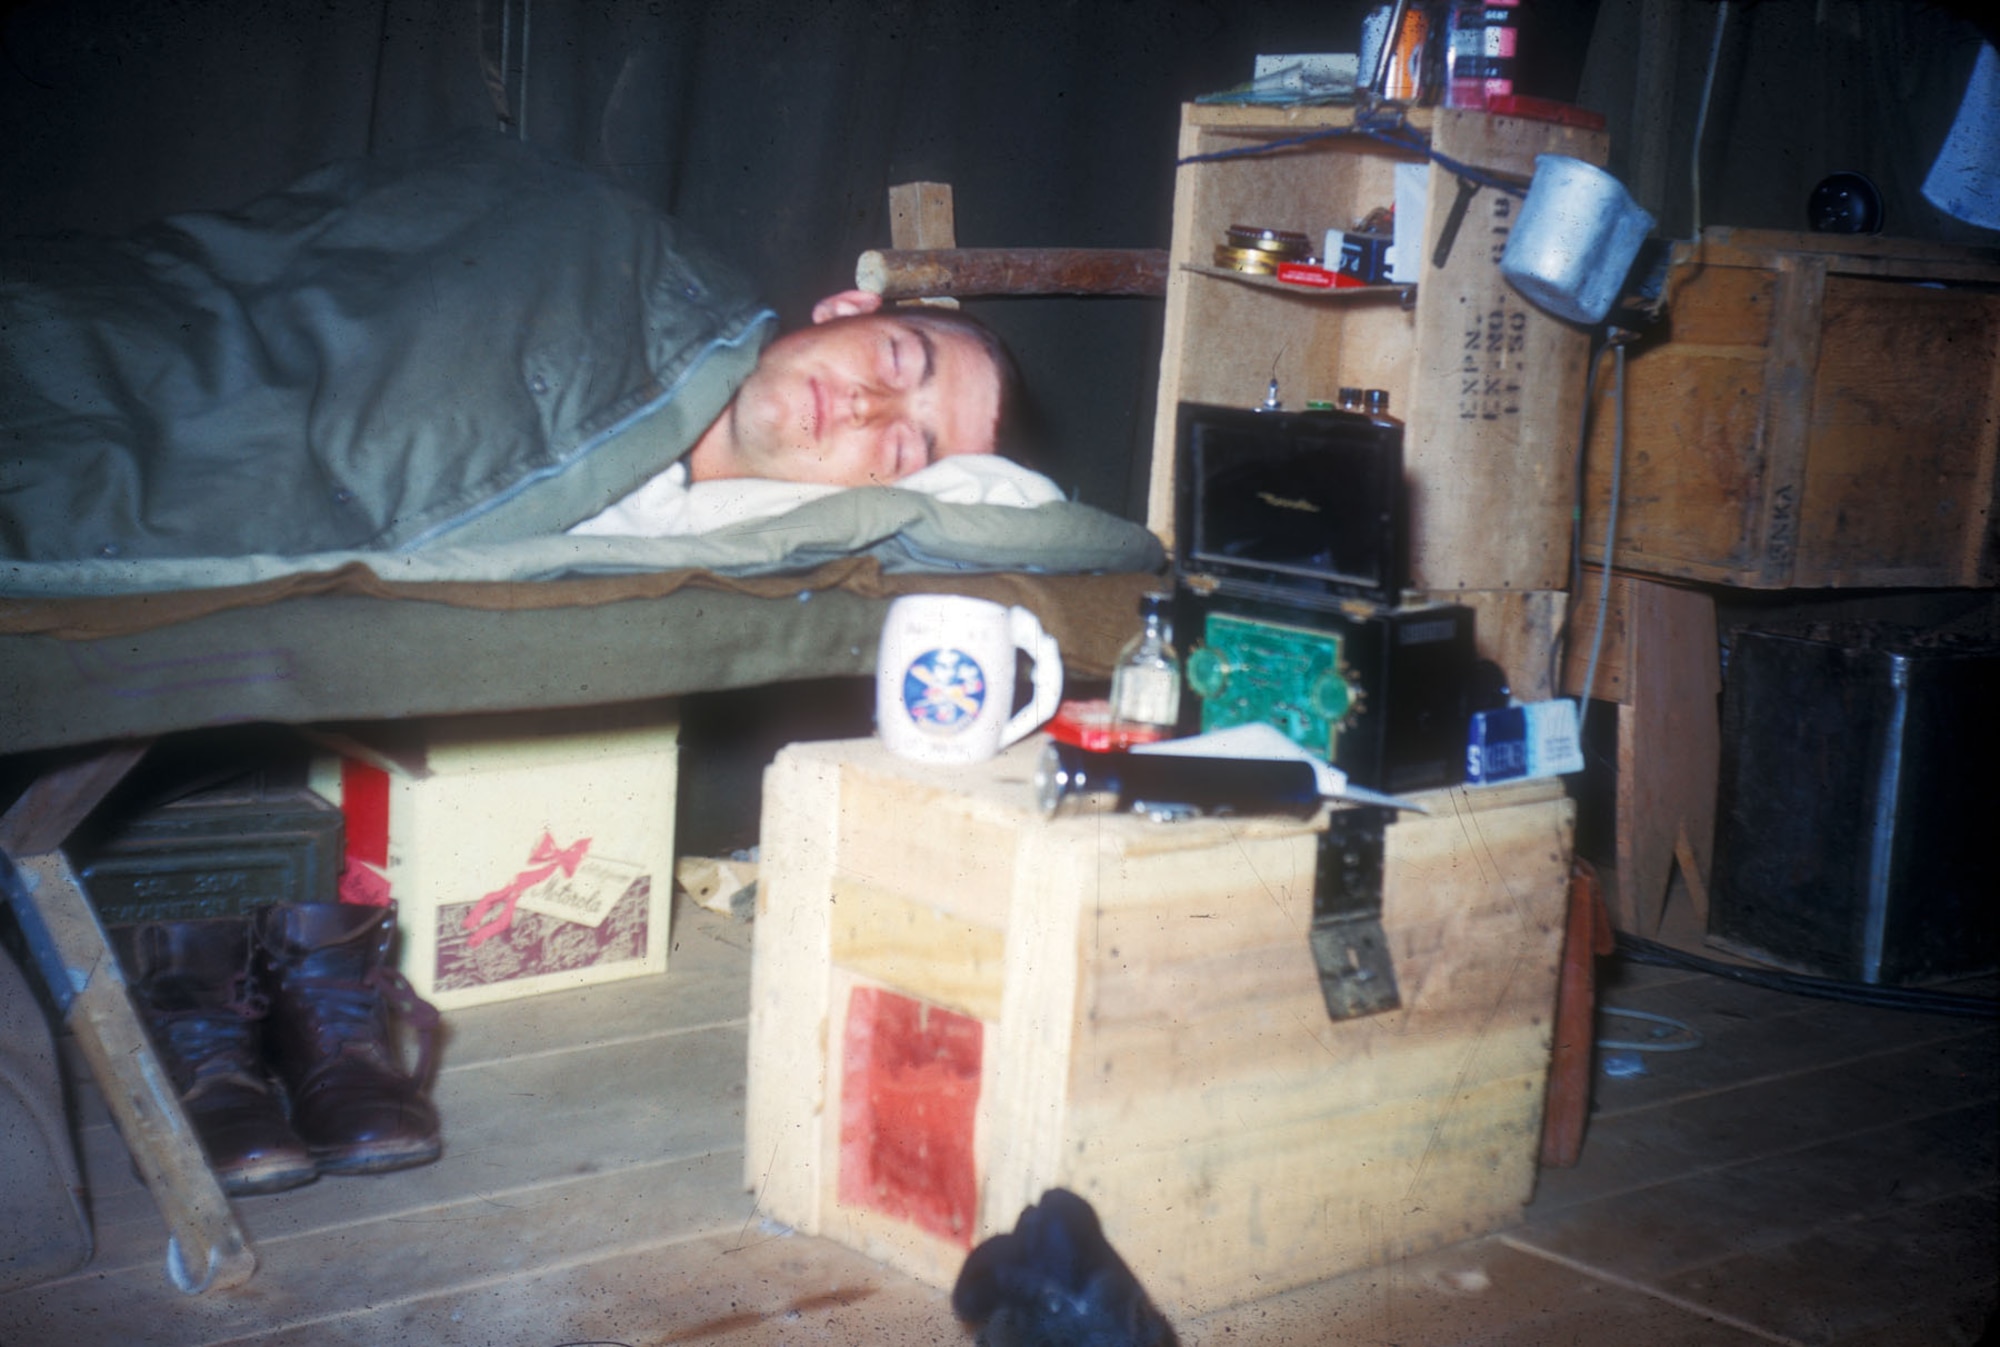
[{"x": 434, "y": 363}]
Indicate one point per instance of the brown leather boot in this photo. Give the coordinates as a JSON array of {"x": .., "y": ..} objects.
[
  {"x": 326, "y": 970},
  {"x": 194, "y": 987}
]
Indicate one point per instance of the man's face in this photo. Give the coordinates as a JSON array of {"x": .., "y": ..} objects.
[{"x": 862, "y": 401}]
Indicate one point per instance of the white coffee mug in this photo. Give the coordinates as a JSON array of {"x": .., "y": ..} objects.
[{"x": 944, "y": 677}]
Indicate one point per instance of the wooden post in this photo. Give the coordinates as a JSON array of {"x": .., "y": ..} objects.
[
  {"x": 921, "y": 216},
  {"x": 206, "y": 1249}
]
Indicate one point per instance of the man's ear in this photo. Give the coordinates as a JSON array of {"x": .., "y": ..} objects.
[{"x": 846, "y": 304}]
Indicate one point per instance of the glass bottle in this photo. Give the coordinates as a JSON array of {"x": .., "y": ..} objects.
[{"x": 1146, "y": 682}]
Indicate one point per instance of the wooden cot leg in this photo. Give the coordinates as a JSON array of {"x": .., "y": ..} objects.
[
  {"x": 1586, "y": 936},
  {"x": 206, "y": 1249}
]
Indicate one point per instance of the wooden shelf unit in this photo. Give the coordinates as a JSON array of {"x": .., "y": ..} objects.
[{"x": 1489, "y": 387}]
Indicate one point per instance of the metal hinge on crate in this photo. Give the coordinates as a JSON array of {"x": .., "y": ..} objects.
[{"x": 1356, "y": 975}]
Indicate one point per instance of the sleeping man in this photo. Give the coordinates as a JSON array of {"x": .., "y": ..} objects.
[
  {"x": 470, "y": 345},
  {"x": 920, "y": 397},
  {"x": 861, "y": 398}
]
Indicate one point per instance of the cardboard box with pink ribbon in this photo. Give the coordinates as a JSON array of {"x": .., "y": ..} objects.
[{"x": 525, "y": 853}]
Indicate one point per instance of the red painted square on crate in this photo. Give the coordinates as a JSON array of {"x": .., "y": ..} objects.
[{"x": 910, "y": 1089}]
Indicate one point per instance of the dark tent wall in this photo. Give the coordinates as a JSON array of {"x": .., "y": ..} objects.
[
  {"x": 1800, "y": 91},
  {"x": 775, "y": 127}
]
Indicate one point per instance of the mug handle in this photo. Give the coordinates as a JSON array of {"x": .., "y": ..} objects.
[{"x": 1048, "y": 679}]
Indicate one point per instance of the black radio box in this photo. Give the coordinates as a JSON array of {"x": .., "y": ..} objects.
[
  {"x": 1297, "y": 506},
  {"x": 1290, "y": 563},
  {"x": 1382, "y": 694}
]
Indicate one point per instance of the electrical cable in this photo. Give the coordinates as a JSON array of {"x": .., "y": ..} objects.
[
  {"x": 1610, "y": 525},
  {"x": 1922, "y": 1000},
  {"x": 1690, "y": 1037},
  {"x": 1701, "y": 116},
  {"x": 1392, "y": 131},
  {"x": 1559, "y": 649}
]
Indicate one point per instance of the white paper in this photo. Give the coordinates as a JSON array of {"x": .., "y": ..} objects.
[{"x": 1554, "y": 745}]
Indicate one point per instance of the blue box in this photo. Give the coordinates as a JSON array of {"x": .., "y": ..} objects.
[
  {"x": 1539, "y": 739},
  {"x": 1496, "y": 747}
]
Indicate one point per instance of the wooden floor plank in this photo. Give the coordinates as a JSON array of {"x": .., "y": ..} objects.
[
  {"x": 1928, "y": 1266},
  {"x": 706, "y": 982},
  {"x": 589, "y": 1110},
  {"x": 1748, "y": 1033},
  {"x": 1770, "y": 1117},
  {"x": 1809, "y": 1175},
  {"x": 757, "y": 1289},
  {"x": 1677, "y": 1227},
  {"x": 1482, "y": 1293},
  {"x": 753, "y": 1287},
  {"x": 340, "y": 1270}
]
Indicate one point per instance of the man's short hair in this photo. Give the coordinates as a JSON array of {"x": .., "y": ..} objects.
[{"x": 1017, "y": 433}]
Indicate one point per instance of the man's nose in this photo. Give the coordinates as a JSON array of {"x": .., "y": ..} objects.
[{"x": 871, "y": 405}]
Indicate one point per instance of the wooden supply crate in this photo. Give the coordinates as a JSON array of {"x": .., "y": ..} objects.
[
  {"x": 956, "y": 1003},
  {"x": 1825, "y": 412},
  {"x": 1489, "y": 387}
]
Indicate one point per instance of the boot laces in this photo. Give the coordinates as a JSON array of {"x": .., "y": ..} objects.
[
  {"x": 352, "y": 1015},
  {"x": 215, "y": 1045}
]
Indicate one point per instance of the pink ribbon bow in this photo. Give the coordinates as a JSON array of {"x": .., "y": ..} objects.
[{"x": 543, "y": 861}]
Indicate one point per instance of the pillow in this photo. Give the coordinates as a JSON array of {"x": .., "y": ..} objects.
[{"x": 667, "y": 506}]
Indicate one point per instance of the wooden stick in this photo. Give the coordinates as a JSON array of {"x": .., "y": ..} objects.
[
  {"x": 904, "y": 273},
  {"x": 51, "y": 808},
  {"x": 1586, "y": 934},
  {"x": 206, "y": 1248}
]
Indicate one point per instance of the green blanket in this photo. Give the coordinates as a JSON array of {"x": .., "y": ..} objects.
[{"x": 432, "y": 364}]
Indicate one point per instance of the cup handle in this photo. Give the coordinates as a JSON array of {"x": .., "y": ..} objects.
[{"x": 1048, "y": 678}]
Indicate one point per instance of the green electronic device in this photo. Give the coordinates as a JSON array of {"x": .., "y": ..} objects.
[
  {"x": 1381, "y": 694},
  {"x": 1249, "y": 671}
]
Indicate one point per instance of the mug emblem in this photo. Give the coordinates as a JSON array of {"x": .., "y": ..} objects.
[{"x": 943, "y": 690}]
